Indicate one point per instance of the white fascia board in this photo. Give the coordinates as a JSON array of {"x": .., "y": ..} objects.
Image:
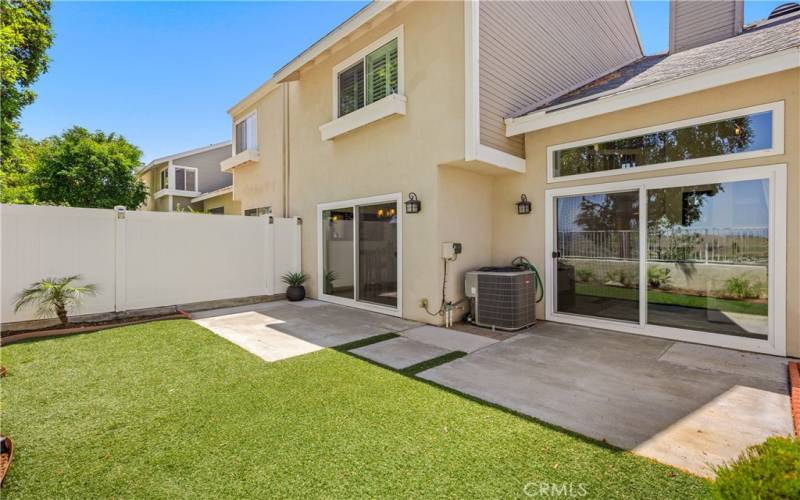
[
  {"x": 342, "y": 31},
  {"x": 393, "y": 104},
  {"x": 635, "y": 27},
  {"x": 190, "y": 152},
  {"x": 175, "y": 192},
  {"x": 500, "y": 158},
  {"x": 246, "y": 156},
  {"x": 213, "y": 194},
  {"x": 600, "y": 104}
]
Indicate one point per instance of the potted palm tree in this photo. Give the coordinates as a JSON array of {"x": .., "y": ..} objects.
[
  {"x": 295, "y": 291},
  {"x": 54, "y": 297}
]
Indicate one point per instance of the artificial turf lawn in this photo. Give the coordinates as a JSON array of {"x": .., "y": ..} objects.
[
  {"x": 168, "y": 409},
  {"x": 674, "y": 299}
]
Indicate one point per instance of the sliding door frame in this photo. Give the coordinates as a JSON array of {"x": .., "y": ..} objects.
[
  {"x": 776, "y": 177},
  {"x": 354, "y": 302}
]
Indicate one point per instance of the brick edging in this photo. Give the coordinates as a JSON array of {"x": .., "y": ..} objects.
[{"x": 794, "y": 394}]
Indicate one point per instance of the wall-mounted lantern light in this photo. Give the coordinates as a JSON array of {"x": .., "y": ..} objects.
[
  {"x": 413, "y": 205},
  {"x": 523, "y": 205}
]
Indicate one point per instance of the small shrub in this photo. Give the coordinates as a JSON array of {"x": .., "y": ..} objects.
[
  {"x": 659, "y": 277},
  {"x": 768, "y": 470},
  {"x": 585, "y": 275},
  {"x": 294, "y": 279},
  {"x": 740, "y": 287}
]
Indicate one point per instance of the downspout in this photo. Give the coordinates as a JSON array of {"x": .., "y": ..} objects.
[{"x": 286, "y": 149}]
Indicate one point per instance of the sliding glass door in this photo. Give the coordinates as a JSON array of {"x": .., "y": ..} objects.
[
  {"x": 359, "y": 253},
  {"x": 708, "y": 257},
  {"x": 693, "y": 257},
  {"x": 597, "y": 255}
]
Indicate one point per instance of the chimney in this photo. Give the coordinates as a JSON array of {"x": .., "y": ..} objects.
[{"x": 693, "y": 23}]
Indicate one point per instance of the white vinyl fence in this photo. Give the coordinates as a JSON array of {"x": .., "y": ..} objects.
[{"x": 144, "y": 259}]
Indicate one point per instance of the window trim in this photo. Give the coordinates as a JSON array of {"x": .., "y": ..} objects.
[
  {"x": 196, "y": 179},
  {"x": 778, "y": 226},
  {"x": 254, "y": 115},
  {"x": 777, "y": 148},
  {"x": 361, "y": 55},
  {"x": 161, "y": 185}
]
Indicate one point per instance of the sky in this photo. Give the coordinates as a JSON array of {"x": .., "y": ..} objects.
[{"x": 164, "y": 74}]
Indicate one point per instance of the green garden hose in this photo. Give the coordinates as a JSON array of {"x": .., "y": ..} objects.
[{"x": 526, "y": 264}]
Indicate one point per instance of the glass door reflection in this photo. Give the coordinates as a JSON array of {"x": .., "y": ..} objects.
[
  {"x": 377, "y": 254},
  {"x": 597, "y": 255},
  {"x": 337, "y": 252},
  {"x": 708, "y": 258}
]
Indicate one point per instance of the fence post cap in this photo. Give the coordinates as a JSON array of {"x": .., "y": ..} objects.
[{"x": 120, "y": 210}]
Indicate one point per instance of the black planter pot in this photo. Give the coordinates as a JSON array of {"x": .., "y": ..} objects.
[{"x": 295, "y": 293}]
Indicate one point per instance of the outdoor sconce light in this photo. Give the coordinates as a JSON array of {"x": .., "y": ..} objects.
[
  {"x": 413, "y": 205},
  {"x": 523, "y": 205}
]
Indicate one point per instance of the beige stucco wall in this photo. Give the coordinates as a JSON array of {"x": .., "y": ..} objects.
[
  {"x": 513, "y": 235},
  {"x": 231, "y": 206},
  {"x": 261, "y": 184},
  {"x": 465, "y": 216},
  {"x": 397, "y": 154}
]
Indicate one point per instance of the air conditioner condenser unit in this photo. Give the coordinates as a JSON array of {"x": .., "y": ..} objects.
[{"x": 502, "y": 297}]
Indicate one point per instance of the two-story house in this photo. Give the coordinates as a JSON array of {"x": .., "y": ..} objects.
[
  {"x": 657, "y": 183},
  {"x": 190, "y": 180},
  {"x": 402, "y": 98}
]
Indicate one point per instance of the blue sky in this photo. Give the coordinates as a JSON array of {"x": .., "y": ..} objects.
[{"x": 163, "y": 74}]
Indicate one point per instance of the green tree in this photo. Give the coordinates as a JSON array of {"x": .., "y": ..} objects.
[
  {"x": 16, "y": 184},
  {"x": 88, "y": 169},
  {"x": 25, "y": 35}
]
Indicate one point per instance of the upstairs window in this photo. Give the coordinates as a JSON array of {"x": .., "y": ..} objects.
[
  {"x": 245, "y": 131},
  {"x": 185, "y": 179},
  {"x": 164, "y": 178},
  {"x": 370, "y": 79}
]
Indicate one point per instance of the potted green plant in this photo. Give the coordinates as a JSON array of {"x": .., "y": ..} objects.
[
  {"x": 295, "y": 290},
  {"x": 54, "y": 296}
]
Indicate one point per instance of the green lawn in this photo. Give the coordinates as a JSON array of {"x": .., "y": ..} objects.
[
  {"x": 674, "y": 299},
  {"x": 168, "y": 409}
]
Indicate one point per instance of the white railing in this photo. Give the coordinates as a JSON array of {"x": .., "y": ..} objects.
[{"x": 748, "y": 245}]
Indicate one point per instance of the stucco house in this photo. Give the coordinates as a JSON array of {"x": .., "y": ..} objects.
[
  {"x": 190, "y": 180},
  {"x": 660, "y": 185}
]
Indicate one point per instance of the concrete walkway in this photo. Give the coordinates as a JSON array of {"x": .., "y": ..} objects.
[
  {"x": 279, "y": 330},
  {"x": 421, "y": 343},
  {"x": 686, "y": 405},
  {"x": 682, "y": 404}
]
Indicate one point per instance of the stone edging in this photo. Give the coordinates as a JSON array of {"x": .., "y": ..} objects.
[
  {"x": 10, "y": 339},
  {"x": 794, "y": 394}
]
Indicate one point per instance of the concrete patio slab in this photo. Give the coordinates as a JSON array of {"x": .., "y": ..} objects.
[
  {"x": 685, "y": 405},
  {"x": 280, "y": 330},
  {"x": 400, "y": 352},
  {"x": 451, "y": 340}
]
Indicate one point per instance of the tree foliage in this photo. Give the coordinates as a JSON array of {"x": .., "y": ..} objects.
[
  {"x": 25, "y": 35},
  {"x": 88, "y": 169},
  {"x": 16, "y": 185}
]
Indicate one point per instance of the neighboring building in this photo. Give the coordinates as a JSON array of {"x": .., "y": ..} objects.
[
  {"x": 471, "y": 105},
  {"x": 191, "y": 180}
]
